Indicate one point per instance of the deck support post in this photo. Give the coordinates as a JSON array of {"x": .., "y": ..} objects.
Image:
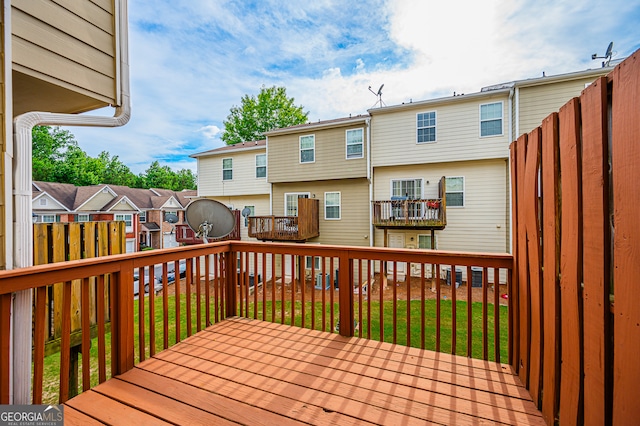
[
  {"x": 230, "y": 281},
  {"x": 345, "y": 294},
  {"x": 122, "y": 320}
]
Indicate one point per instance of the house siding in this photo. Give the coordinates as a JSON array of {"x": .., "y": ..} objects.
[
  {"x": 260, "y": 202},
  {"x": 244, "y": 182},
  {"x": 482, "y": 225},
  {"x": 457, "y": 133},
  {"x": 98, "y": 201},
  {"x": 283, "y": 160},
  {"x": 353, "y": 226},
  {"x": 537, "y": 102},
  {"x": 68, "y": 44}
]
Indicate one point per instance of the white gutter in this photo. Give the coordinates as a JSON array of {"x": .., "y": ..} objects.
[
  {"x": 370, "y": 180},
  {"x": 22, "y": 175}
]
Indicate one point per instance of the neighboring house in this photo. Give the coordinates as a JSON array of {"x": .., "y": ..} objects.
[
  {"x": 326, "y": 161},
  {"x": 142, "y": 210},
  {"x": 236, "y": 176}
]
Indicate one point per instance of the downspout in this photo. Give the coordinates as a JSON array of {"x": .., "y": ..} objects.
[
  {"x": 370, "y": 180},
  {"x": 22, "y": 175},
  {"x": 511, "y": 139},
  {"x": 7, "y": 129},
  {"x": 266, "y": 150}
]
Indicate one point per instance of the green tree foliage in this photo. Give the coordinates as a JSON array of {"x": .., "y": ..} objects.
[
  {"x": 271, "y": 109},
  {"x": 58, "y": 158}
]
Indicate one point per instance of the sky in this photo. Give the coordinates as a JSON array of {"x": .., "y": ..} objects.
[{"x": 192, "y": 60}]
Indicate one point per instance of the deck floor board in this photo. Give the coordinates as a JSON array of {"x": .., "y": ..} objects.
[{"x": 243, "y": 371}]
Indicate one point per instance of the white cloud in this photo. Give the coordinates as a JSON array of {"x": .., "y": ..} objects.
[{"x": 192, "y": 61}]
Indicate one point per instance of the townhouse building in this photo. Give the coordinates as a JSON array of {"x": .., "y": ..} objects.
[{"x": 425, "y": 174}]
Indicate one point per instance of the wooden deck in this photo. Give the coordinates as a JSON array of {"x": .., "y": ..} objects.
[{"x": 243, "y": 371}]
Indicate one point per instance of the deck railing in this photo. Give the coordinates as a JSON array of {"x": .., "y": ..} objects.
[
  {"x": 403, "y": 213},
  {"x": 270, "y": 281},
  {"x": 576, "y": 181},
  {"x": 302, "y": 227}
]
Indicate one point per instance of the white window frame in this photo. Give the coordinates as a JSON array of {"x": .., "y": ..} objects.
[
  {"x": 83, "y": 218},
  {"x": 434, "y": 126},
  {"x": 127, "y": 218},
  {"x": 142, "y": 216},
  {"x": 298, "y": 195},
  {"x": 48, "y": 218},
  {"x": 491, "y": 119},
  {"x": 447, "y": 191},
  {"x": 313, "y": 149},
  {"x": 421, "y": 180},
  {"x": 339, "y": 205},
  {"x": 227, "y": 169},
  {"x": 261, "y": 166},
  {"x": 427, "y": 236},
  {"x": 347, "y": 144}
]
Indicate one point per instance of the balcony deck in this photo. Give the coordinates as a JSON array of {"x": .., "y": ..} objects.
[{"x": 244, "y": 371}]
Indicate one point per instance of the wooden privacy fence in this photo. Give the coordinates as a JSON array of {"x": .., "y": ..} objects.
[
  {"x": 576, "y": 209},
  {"x": 60, "y": 242}
]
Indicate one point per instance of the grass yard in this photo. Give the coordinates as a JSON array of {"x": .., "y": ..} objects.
[{"x": 52, "y": 362}]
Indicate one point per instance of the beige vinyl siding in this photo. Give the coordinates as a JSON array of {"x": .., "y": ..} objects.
[
  {"x": 260, "y": 202},
  {"x": 482, "y": 225},
  {"x": 537, "y": 102},
  {"x": 69, "y": 44},
  {"x": 457, "y": 134},
  {"x": 352, "y": 227},
  {"x": 98, "y": 201},
  {"x": 283, "y": 161},
  {"x": 244, "y": 181}
]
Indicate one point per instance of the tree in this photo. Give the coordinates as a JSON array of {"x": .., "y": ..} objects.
[
  {"x": 57, "y": 157},
  {"x": 271, "y": 109}
]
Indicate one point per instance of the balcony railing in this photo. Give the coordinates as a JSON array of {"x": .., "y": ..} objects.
[
  {"x": 351, "y": 290},
  {"x": 407, "y": 213},
  {"x": 186, "y": 235},
  {"x": 302, "y": 227}
]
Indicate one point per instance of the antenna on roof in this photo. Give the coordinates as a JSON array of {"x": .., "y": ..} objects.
[
  {"x": 379, "y": 96},
  {"x": 607, "y": 56}
]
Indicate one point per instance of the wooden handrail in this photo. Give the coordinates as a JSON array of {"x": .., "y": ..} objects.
[{"x": 233, "y": 292}]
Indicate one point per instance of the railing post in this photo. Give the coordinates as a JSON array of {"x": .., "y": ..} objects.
[
  {"x": 345, "y": 293},
  {"x": 230, "y": 282},
  {"x": 122, "y": 319}
]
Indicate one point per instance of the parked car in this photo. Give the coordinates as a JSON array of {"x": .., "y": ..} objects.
[{"x": 157, "y": 282}]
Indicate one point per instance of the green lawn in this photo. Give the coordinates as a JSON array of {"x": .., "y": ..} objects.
[{"x": 52, "y": 362}]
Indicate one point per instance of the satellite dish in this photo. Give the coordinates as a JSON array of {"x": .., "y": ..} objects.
[
  {"x": 607, "y": 56},
  {"x": 380, "y": 90},
  {"x": 246, "y": 212},
  {"x": 209, "y": 218},
  {"x": 609, "y": 50},
  {"x": 171, "y": 218}
]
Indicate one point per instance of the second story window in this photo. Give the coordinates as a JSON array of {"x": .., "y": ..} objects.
[
  {"x": 308, "y": 149},
  {"x": 82, "y": 218},
  {"x": 227, "y": 168},
  {"x": 128, "y": 221},
  {"x": 261, "y": 165},
  {"x": 355, "y": 143},
  {"x": 491, "y": 119},
  {"x": 331, "y": 205},
  {"x": 48, "y": 218},
  {"x": 455, "y": 191},
  {"x": 426, "y": 127},
  {"x": 143, "y": 217}
]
